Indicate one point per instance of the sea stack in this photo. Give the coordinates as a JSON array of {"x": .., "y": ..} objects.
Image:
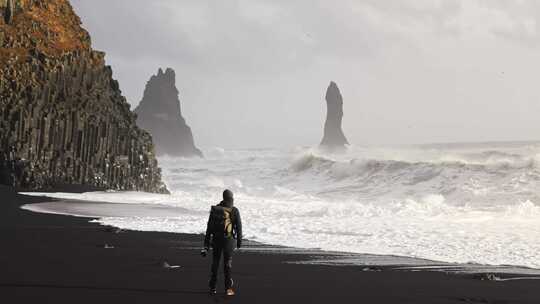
[
  {"x": 63, "y": 118},
  {"x": 334, "y": 139},
  {"x": 159, "y": 113}
]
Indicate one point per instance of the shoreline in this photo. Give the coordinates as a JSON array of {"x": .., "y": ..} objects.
[
  {"x": 97, "y": 210},
  {"x": 63, "y": 259}
]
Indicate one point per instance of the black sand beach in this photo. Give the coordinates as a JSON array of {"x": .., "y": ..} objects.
[{"x": 62, "y": 259}]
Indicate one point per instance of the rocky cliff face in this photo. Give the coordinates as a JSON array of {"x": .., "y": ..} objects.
[
  {"x": 159, "y": 113},
  {"x": 333, "y": 138},
  {"x": 63, "y": 118}
]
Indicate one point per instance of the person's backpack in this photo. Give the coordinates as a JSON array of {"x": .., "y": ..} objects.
[{"x": 222, "y": 221}]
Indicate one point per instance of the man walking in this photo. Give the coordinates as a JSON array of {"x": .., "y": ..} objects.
[{"x": 223, "y": 232}]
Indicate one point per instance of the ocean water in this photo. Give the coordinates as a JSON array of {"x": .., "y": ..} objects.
[{"x": 462, "y": 203}]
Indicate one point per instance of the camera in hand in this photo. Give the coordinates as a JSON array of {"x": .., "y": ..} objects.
[{"x": 204, "y": 252}]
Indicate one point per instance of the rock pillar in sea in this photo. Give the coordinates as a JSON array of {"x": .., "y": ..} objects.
[
  {"x": 159, "y": 113},
  {"x": 333, "y": 138}
]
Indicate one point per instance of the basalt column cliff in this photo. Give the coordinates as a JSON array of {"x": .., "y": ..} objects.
[
  {"x": 333, "y": 138},
  {"x": 63, "y": 119},
  {"x": 159, "y": 113}
]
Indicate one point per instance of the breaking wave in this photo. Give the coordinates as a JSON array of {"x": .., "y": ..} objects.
[{"x": 457, "y": 203}]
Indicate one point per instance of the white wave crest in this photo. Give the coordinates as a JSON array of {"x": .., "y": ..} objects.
[{"x": 456, "y": 204}]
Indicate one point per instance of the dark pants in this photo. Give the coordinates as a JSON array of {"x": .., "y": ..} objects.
[{"x": 221, "y": 247}]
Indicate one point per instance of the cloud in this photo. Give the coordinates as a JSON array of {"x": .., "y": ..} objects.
[{"x": 253, "y": 72}]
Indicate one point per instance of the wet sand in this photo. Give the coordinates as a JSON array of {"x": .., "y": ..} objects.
[{"x": 47, "y": 258}]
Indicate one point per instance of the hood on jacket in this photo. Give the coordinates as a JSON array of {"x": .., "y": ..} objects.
[{"x": 228, "y": 198}]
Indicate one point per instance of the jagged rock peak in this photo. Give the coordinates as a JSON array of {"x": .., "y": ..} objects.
[
  {"x": 166, "y": 78},
  {"x": 62, "y": 115},
  {"x": 160, "y": 114},
  {"x": 333, "y": 137}
]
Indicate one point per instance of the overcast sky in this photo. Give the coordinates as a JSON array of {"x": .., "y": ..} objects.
[{"x": 253, "y": 73}]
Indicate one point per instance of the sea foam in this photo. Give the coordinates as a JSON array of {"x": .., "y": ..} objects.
[{"x": 464, "y": 204}]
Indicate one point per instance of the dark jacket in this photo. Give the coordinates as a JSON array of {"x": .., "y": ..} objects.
[{"x": 237, "y": 227}]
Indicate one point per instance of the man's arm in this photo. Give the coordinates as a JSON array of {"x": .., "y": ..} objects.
[
  {"x": 238, "y": 229},
  {"x": 208, "y": 234}
]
